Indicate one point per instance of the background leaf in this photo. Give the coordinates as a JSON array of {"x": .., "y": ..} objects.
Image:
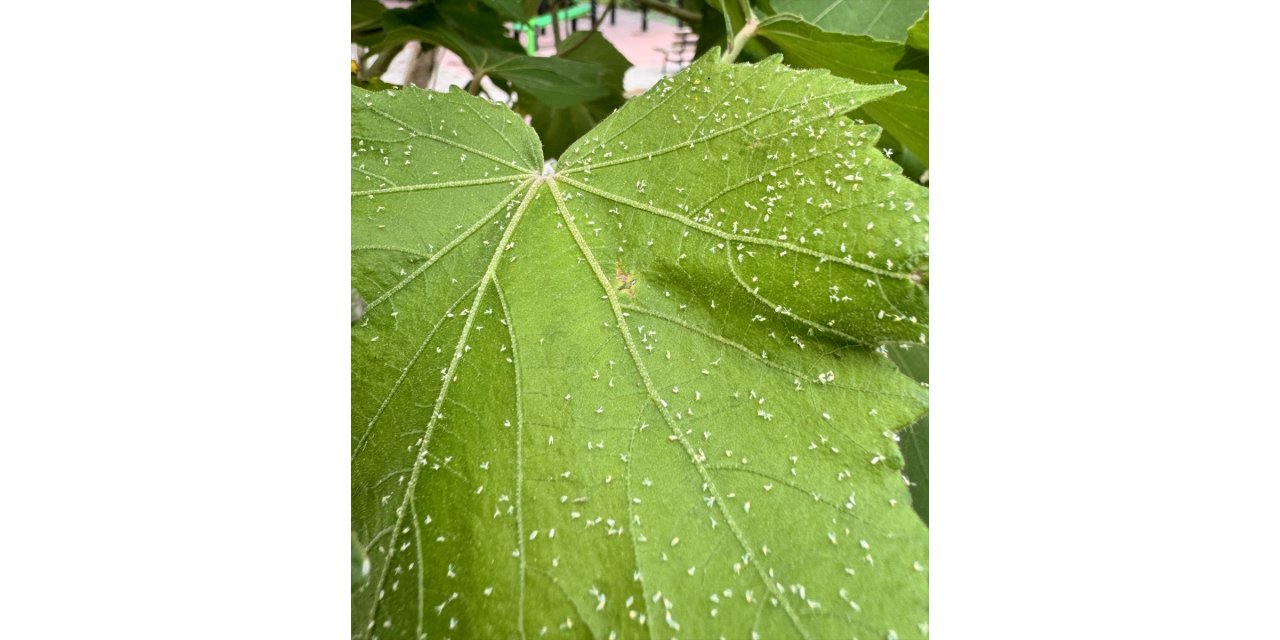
[
  {"x": 886, "y": 20},
  {"x": 646, "y": 393},
  {"x": 511, "y": 9},
  {"x": 916, "y": 55},
  {"x": 711, "y": 29},
  {"x": 918, "y": 35},
  {"x": 556, "y": 82},
  {"x": 912, "y": 166},
  {"x": 365, "y": 14},
  {"x": 913, "y": 360},
  {"x": 559, "y": 127},
  {"x": 479, "y": 36}
]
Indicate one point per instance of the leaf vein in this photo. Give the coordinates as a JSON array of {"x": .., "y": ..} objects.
[
  {"x": 404, "y": 373},
  {"x": 447, "y": 248},
  {"x": 653, "y": 397},
  {"x": 445, "y": 141},
  {"x": 515, "y": 360},
  {"x": 439, "y": 185},
  {"x": 825, "y": 257},
  {"x": 714, "y": 336},
  {"x": 781, "y": 310},
  {"x": 710, "y": 136},
  {"x": 485, "y": 280}
]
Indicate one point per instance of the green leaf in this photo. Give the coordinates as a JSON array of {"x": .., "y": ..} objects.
[
  {"x": 366, "y": 14},
  {"x": 479, "y": 22},
  {"x": 905, "y": 115},
  {"x": 559, "y": 127},
  {"x": 912, "y": 166},
  {"x": 557, "y": 82},
  {"x": 711, "y": 29},
  {"x": 476, "y": 33},
  {"x": 453, "y": 21},
  {"x": 913, "y": 360},
  {"x": 886, "y": 20},
  {"x": 639, "y": 392},
  {"x": 915, "y": 454},
  {"x": 918, "y": 34},
  {"x": 917, "y": 52},
  {"x": 511, "y": 9},
  {"x": 444, "y": 22}
]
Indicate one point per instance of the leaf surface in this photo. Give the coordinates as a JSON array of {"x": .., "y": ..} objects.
[
  {"x": 918, "y": 34},
  {"x": 905, "y": 115},
  {"x": 644, "y": 393},
  {"x": 886, "y": 20},
  {"x": 511, "y": 9},
  {"x": 365, "y": 14}
]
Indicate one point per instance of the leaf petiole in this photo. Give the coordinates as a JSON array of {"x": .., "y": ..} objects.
[{"x": 740, "y": 39}]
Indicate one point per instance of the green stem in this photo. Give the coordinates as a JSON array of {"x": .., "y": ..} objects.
[
  {"x": 595, "y": 28},
  {"x": 740, "y": 39},
  {"x": 474, "y": 87},
  {"x": 555, "y": 23},
  {"x": 595, "y": 24}
]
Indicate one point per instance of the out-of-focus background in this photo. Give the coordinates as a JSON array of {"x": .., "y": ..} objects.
[{"x": 657, "y": 45}]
